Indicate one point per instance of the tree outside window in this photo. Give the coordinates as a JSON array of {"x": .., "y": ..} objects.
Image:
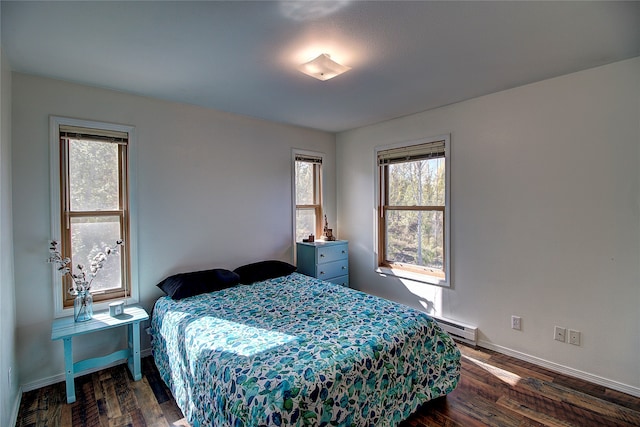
[
  {"x": 308, "y": 195},
  {"x": 414, "y": 210},
  {"x": 94, "y": 206}
]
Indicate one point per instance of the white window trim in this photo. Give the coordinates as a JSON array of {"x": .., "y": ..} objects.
[
  {"x": 54, "y": 167},
  {"x": 294, "y": 153},
  {"x": 403, "y": 274}
]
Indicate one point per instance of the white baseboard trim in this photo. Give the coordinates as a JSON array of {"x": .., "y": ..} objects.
[
  {"x": 566, "y": 370},
  {"x": 16, "y": 408},
  {"x": 44, "y": 382}
]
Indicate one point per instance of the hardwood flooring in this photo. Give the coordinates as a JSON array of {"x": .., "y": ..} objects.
[{"x": 495, "y": 390}]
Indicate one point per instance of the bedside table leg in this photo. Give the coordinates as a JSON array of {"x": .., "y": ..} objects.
[
  {"x": 69, "y": 374},
  {"x": 134, "y": 348}
]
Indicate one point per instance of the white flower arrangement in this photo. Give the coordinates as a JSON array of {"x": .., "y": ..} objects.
[{"x": 82, "y": 280}]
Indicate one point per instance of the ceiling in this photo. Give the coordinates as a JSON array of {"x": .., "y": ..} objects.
[{"x": 241, "y": 56}]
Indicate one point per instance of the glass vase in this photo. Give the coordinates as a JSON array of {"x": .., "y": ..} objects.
[{"x": 83, "y": 306}]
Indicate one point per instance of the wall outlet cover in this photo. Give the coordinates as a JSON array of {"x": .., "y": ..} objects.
[
  {"x": 516, "y": 323},
  {"x": 574, "y": 337}
]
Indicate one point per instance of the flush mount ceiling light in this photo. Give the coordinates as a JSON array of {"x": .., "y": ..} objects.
[{"x": 323, "y": 67}]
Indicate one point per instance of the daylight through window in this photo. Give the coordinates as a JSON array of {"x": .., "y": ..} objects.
[
  {"x": 308, "y": 195},
  {"x": 413, "y": 210},
  {"x": 94, "y": 206}
]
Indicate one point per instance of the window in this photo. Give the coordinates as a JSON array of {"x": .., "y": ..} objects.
[
  {"x": 413, "y": 220},
  {"x": 91, "y": 196},
  {"x": 308, "y": 194}
]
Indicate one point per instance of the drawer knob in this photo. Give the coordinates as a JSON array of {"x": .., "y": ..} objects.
[
  {"x": 321, "y": 255},
  {"x": 321, "y": 273},
  {"x": 344, "y": 252},
  {"x": 344, "y": 268}
]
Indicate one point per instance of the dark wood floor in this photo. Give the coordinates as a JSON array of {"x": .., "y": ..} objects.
[{"x": 495, "y": 390}]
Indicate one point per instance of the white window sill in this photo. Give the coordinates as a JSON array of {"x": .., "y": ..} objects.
[{"x": 409, "y": 275}]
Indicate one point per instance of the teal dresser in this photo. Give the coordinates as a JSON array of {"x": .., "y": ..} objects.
[{"x": 324, "y": 260}]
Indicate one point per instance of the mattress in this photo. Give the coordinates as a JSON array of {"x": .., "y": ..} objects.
[{"x": 295, "y": 351}]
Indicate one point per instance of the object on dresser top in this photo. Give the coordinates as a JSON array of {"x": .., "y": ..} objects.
[{"x": 328, "y": 232}]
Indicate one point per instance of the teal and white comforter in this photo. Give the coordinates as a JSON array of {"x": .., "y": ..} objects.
[{"x": 297, "y": 351}]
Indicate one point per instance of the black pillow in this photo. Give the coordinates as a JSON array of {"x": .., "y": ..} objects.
[
  {"x": 186, "y": 285},
  {"x": 263, "y": 270}
]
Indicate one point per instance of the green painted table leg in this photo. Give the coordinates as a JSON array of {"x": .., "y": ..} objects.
[
  {"x": 69, "y": 373},
  {"x": 134, "y": 345}
]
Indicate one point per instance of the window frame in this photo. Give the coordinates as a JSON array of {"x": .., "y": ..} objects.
[
  {"x": 318, "y": 190},
  {"x": 410, "y": 271},
  {"x": 63, "y": 305}
]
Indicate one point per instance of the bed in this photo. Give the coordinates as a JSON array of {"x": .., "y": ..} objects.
[{"x": 295, "y": 351}]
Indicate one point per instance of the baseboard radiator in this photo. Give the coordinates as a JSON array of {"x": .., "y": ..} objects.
[{"x": 459, "y": 331}]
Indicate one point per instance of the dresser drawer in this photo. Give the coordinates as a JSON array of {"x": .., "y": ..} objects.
[
  {"x": 333, "y": 269},
  {"x": 332, "y": 253},
  {"x": 342, "y": 281}
]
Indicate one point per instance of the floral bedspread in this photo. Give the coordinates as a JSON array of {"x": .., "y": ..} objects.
[{"x": 297, "y": 351}]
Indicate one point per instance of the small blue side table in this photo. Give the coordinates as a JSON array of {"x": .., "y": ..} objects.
[{"x": 65, "y": 329}]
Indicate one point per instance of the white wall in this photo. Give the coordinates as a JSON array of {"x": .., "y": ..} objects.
[
  {"x": 214, "y": 190},
  {"x": 9, "y": 395},
  {"x": 545, "y": 218}
]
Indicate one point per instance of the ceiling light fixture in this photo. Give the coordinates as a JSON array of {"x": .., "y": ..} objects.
[{"x": 323, "y": 67}]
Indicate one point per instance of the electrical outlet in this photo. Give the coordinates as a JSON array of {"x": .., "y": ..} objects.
[
  {"x": 574, "y": 337},
  {"x": 516, "y": 323},
  {"x": 560, "y": 334}
]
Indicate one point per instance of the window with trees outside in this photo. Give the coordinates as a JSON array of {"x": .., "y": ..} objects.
[
  {"x": 413, "y": 220},
  {"x": 308, "y": 195},
  {"x": 91, "y": 182}
]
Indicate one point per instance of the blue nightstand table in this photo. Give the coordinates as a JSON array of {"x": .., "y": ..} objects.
[
  {"x": 65, "y": 329},
  {"x": 326, "y": 260}
]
